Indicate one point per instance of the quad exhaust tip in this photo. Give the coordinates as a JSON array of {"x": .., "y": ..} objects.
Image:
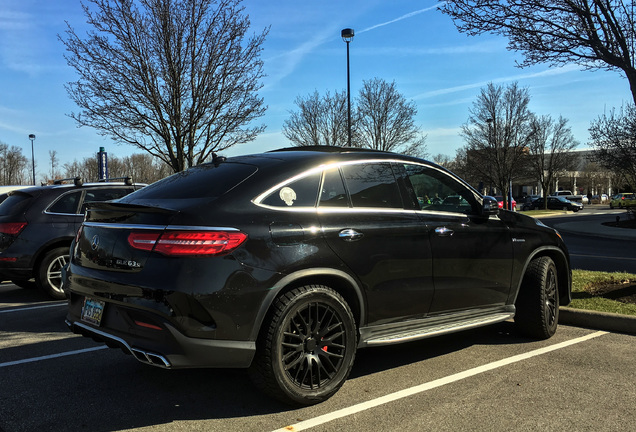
[{"x": 143, "y": 356}]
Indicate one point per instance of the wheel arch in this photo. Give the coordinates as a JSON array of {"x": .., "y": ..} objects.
[
  {"x": 39, "y": 255},
  {"x": 338, "y": 280},
  {"x": 564, "y": 272}
]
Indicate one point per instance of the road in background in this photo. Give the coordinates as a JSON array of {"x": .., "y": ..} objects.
[{"x": 596, "y": 251}]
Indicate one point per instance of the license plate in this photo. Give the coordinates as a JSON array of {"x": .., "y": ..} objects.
[{"x": 92, "y": 311}]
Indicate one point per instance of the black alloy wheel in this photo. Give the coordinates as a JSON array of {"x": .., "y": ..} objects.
[
  {"x": 306, "y": 351},
  {"x": 538, "y": 300}
]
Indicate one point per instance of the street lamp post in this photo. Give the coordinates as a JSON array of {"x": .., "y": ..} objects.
[
  {"x": 347, "y": 36},
  {"x": 32, "y": 138}
]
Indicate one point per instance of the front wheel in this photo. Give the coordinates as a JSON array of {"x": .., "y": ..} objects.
[
  {"x": 306, "y": 347},
  {"x": 49, "y": 275},
  {"x": 538, "y": 300}
]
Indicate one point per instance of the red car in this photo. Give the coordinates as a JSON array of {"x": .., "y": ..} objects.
[{"x": 499, "y": 199}]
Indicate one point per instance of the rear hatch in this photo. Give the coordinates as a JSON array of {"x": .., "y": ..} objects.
[
  {"x": 121, "y": 235},
  {"x": 103, "y": 240},
  {"x": 12, "y": 217}
]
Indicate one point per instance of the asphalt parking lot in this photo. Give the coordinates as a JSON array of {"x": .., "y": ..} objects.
[{"x": 485, "y": 379}]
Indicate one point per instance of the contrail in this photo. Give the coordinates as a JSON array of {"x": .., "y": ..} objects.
[{"x": 408, "y": 15}]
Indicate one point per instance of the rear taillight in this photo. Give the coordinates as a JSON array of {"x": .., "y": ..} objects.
[
  {"x": 181, "y": 243},
  {"x": 12, "y": 228},
  {"x": 78, "y": 234}
]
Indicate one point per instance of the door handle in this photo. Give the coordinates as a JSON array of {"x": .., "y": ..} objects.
[
  {"x": 350, "y": 235},
  {"x": 443, "y": 231}
]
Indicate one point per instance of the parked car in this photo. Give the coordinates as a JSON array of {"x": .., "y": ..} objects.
[
  {"x": 557, "y": 203},
  {"x": 288, "y": 262},
  {"x": 37, "y": 225},
  {"x": 528, "y": 201},
  {"x": 623, "y": 200},
  {"x": 568, "y": 195},
  {"x": 500, "y": 201}
]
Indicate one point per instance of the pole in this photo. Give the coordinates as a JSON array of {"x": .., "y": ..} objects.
[
  {"x": 32, "y": 137},
  {"x": 348, "y": 100}
]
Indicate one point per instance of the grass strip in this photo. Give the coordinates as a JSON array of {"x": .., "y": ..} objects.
[{"x": 590, "y": 291}]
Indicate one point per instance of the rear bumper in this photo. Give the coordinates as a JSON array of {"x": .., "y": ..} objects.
[
  {"x": 9, "y": 272},
  {"x": 178, "y": 351}
]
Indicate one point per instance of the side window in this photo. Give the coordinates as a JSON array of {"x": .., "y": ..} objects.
[
  {"x": 333, "y": 193},
  {"x": 104, "y": 194},
  {"x": 67, "y": 203},
  {"x": 372, "y": 185},
  {"x": 300, "y": 193},
  {"x": 437, "y": 191}
]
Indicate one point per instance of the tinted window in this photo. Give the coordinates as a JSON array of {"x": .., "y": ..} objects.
[
  {"x": 372, "y": 185},
  {"x": 67, "y": 203},
  {"x": 437, "y": 191},
  {"x": 104, "y": 194},
  {"x": 300, "y": 193},
  {"x": 333, "y": 193},
  {"x": 15, "y": 203},
  {"x": 206, "y": 180}
]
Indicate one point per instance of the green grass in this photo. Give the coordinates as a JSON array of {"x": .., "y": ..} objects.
[
  {"x": 583, "y": 292},
  {"x": 539, "y": 213}
]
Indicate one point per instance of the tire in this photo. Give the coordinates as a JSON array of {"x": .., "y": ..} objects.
[
  {"x": 302, "y": 360},
  {"x": 538, "y": 300},
  {"x": 24, "y": 283},
  {"x": 49, "y": 274}
]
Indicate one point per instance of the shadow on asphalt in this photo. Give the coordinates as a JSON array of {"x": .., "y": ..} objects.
[{"x": 107, "y": 390}]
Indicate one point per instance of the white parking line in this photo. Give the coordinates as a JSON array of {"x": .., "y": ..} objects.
[
  {"x": 431, "y": 385},
  {"x": 33, "y": 308},
  {"x": 52, "y": 356}
]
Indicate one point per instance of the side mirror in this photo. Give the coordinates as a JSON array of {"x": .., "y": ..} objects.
[{"x": 490, "y": 207}]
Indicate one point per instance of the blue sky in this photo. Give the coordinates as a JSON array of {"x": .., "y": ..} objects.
[{"x": 408, "y": 42}]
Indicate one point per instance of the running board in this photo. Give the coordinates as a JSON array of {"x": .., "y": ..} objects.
[{"x": 425, "y": 328}]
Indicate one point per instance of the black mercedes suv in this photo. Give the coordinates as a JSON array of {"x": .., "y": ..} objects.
[
  {"x": 37, "y": 225},
  {"x": 288, "y": 262}
]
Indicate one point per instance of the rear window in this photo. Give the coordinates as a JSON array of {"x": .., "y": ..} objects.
[
  {"x": 15, "y": 203},
  {"x": 207, "y": 180}
]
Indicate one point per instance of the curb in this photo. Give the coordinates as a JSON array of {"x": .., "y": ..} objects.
[{"x": 597, "y": 320}]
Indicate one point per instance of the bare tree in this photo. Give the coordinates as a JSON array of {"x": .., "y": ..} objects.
[
  {"x": 442, "y": 159},
  {"x": 318, "y": 121},
  {"x": 175, "y": 78},
  {"x": 13, "y": 165},
  {"x": 549, "y": 146},
  {"x": 613, "y": 135},
  {"x": 596, "y": 34},
  {"x": 385, "y": 120},
  {"x": 144, "y": 168},
  {"x": 141, "y": 167},
  {"x": 497, "y": 134},
  {"x": 87, "y": 169},
  {"x": 54, "y": 161}
]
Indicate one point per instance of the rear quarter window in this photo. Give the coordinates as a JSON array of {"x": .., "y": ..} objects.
[{"x": 67, "y": 203}]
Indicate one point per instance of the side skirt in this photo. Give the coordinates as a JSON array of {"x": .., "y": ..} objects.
[{"x": 407, "y": 331}]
